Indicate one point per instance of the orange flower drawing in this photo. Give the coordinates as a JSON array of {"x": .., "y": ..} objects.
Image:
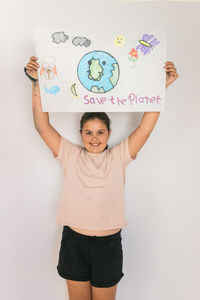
[{"x": 134, "y": 53}]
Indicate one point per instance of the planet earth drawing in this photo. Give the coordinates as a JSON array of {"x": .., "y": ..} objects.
[{"x": 98, "y": 71}]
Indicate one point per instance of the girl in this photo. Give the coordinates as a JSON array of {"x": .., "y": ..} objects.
[{"x": 92, "y": 208}]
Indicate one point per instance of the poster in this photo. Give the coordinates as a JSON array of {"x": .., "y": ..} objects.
[{"x": 82, "y": 70}]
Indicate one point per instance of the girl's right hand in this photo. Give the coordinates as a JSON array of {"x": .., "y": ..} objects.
[{"x": 32, "y": 67}]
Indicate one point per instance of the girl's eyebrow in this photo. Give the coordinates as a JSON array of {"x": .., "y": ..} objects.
[{"x": 98, "y": 130}]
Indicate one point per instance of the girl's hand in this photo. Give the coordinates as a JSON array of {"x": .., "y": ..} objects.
[
  {"x": 32, "y": 67},
  {"x": 171, "y": 74}
]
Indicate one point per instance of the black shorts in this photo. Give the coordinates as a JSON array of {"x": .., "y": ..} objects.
[{"x": 98, "y": 259}]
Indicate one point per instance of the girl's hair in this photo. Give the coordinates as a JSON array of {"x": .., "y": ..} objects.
[{"x": 95, "y": 115}]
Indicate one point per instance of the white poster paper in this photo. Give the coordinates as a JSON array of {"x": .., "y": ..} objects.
[{"x": 81, "y": 70}]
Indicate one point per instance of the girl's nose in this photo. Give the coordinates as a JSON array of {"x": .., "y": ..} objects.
[{"x": 94, "y": 138}]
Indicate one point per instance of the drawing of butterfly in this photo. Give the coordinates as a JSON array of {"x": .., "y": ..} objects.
[{"x": 146, "y": 45}]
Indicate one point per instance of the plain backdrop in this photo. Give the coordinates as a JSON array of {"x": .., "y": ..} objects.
[{"x": 161, "y": 243}]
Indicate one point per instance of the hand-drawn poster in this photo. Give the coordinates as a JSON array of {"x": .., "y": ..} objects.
[{"x": 116, "y": 71}]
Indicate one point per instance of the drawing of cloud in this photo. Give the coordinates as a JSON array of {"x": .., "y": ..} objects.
[
  {"x": 59, "y": 37},
  {"x": 81, "y": 41}
]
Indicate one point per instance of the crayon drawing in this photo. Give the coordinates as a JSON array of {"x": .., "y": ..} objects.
[
  {"x": 146, "y": 45},
  {"x": 82, "y": 71},
  {"x": 98, "y": 71},
  {"x": 119, "y": 41},
  {"x": 133, "y": 57},
  {"x": 53, "y": 90},
  {"x": 59, "y": 37},
  {"x": 48, "y": 67}
]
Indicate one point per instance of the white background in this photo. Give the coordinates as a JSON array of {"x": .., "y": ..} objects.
[{"x": 161, "y": 243}]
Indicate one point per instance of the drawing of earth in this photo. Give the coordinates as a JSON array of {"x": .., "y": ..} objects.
[{"x": 98, "y": 71}]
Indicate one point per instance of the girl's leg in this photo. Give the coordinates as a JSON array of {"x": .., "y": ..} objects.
[
  {"x": 108, "y": 293},
  {"x": 79, "y": 290}
]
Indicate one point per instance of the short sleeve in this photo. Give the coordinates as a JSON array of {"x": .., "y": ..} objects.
[
  {"x": 66, "y": 149},
  {"x": 122, "y": 150}
]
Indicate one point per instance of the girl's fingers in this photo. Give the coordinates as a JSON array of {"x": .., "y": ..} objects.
[
  {"x": 31, "y": 68},
  {"x": 28, "y": 68},
  {"x": 169, "y": 62},
  {"x": 34, "y": 62},
  {"x": 173, "y": 73},
  {"x": 169, "y": 66},
  {"x": 29, "y": 71},
  {"x": 33, "y": 58},
  {"x": 171, "y": 70},
  {"x": 33, "y": 65}
]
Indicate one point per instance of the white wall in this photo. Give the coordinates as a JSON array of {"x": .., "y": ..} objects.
[{"x": 161, "y": 243}]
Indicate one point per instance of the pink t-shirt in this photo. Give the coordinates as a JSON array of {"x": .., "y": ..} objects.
[{"x": 93, "y": 193}]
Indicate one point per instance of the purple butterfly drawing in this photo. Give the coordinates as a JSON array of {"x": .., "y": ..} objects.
[{"x": 147, "y": 43}]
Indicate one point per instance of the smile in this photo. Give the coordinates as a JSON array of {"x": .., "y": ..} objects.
[{"x": 94, "y": 144}]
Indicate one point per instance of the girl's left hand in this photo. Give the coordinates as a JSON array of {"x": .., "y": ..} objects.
[{"x": 171, "y": 73}]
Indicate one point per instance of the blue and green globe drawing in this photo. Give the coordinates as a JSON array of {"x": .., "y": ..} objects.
[{"x": 98, "y": 71}]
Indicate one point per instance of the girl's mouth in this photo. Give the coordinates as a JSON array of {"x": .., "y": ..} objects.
[{"x": 94, "y": 144}]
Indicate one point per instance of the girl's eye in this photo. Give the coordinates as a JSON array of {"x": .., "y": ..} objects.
[{"x": 100, "y": 132}]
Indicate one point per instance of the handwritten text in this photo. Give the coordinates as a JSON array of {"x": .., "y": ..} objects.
[{"x": 132, "y": 99}]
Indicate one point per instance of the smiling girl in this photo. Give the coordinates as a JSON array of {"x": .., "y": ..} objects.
[{"x": 92, "y": 208}]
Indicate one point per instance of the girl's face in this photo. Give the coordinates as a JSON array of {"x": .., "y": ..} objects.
[{"x": 95, "y": 135}]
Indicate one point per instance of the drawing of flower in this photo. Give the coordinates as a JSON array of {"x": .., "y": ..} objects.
[
  {"x": 134, "y": 57},
  {"x": 134, "y": 53}
]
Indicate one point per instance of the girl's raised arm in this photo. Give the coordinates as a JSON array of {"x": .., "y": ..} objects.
[
  {"x": 41, "y": 119},
  {"x": 140, "y": 135}
]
